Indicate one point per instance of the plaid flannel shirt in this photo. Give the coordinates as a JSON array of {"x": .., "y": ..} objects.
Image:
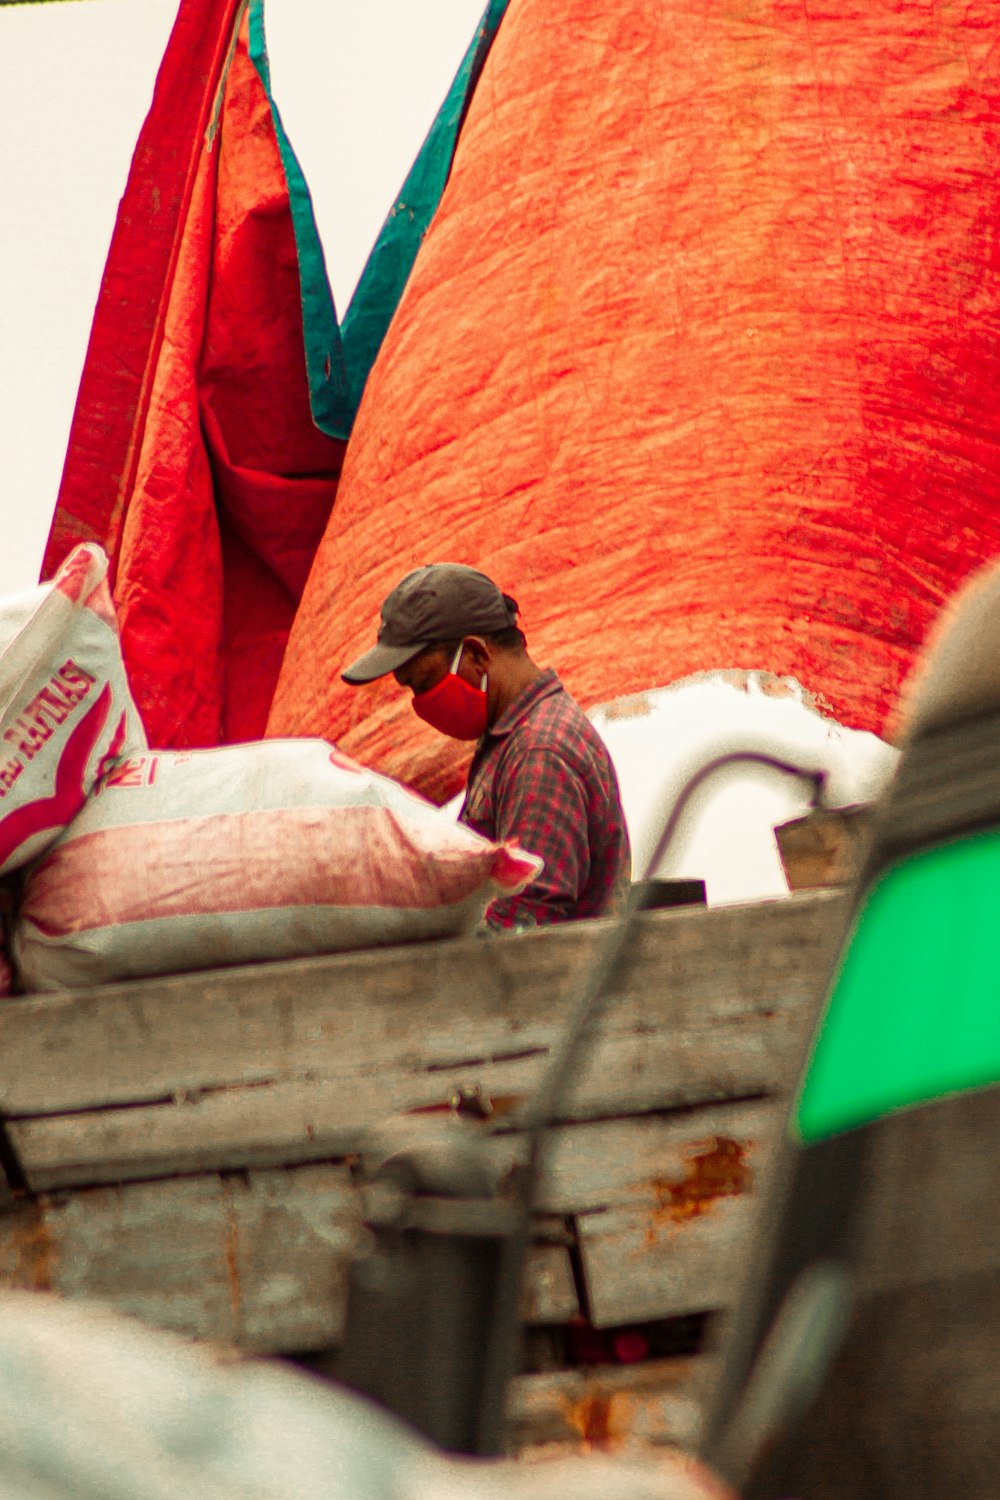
[{"x": 542, "y": 778}]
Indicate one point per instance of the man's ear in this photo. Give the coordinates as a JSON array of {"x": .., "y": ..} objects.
[{"x": 478, "y": 652}]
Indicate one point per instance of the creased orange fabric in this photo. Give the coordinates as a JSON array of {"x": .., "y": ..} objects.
[{"x": 699, "y": 359}]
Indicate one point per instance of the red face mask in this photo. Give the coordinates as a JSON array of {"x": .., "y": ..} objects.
[{"x": 453, "y": 706}]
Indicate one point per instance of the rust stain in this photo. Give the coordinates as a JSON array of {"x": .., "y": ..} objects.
[
  {"x": 504, "y": 1104},
  {"x": 595, "y": 1417},
  {"x": 29, "y": 1253},
  {"x": 716, "y": 1168}
]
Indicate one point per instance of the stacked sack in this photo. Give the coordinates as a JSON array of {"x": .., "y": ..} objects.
[
  {"x": 187, "y": 859},
  {"x": 136, "y": 861},
  {"x": 66, "y": 713}
]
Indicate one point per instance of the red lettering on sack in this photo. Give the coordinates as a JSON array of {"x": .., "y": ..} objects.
[
  {"x": 136, "y": 770},
  {"x": 77, "y": 677},
  {"x": 70, "y": 792},
  {"x": 8, "y": 775},
  {"x": 125, "y": 773},
  {"x": 51, "y": 706},
  {"x": 28, "y": 737},
  {"x": 49, "y": 709}
]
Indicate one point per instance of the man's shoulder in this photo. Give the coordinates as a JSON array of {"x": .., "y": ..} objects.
[{"x": 558, "y": 724}]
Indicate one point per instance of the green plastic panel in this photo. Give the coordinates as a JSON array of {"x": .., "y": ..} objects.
[{"x": 915, "y": 1011}]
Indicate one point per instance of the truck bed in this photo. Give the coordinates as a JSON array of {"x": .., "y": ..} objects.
[{"x": 186, "y": 1143}]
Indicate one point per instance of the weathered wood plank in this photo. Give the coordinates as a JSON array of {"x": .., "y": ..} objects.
[
  {"x": 278, "y": 1070},
  {"x": 664, "y": 1206},
  {"x": 258, "y": 1260},
  {"x": 826, "y": 847},
  {"x": 658, "y": 1200},
  {"x": 441, "y": 1007},
  {"x": 638, "y": 1268},
  {"x": 703, "y": 1012},
  {"x": 301, "y": 1121},
  {"x": 607, "y": 1407},
  {"x": 642, "y": 1163},
  {"x": 550, "y": 1290}
]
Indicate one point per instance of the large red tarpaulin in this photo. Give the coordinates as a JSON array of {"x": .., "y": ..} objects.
[
  {"x": 193, "y": 457},
  {"x": 699, "y": 359}
]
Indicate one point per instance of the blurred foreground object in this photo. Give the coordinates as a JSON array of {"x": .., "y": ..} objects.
[
  {"x": 93, "y": 1407},
  {"x": 889, "y": 1179}
]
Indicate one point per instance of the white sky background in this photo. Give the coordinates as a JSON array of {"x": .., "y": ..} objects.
[{"x": 358, "y": 83}]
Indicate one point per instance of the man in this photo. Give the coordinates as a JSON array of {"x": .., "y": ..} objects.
[{"x": 541, "y": 775}]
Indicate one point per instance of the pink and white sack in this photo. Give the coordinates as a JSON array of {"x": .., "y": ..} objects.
[
  {"x": 189, "y": 859},
  {"x": 66, "y": 712}
]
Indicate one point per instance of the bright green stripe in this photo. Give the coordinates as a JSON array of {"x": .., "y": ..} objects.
[
  {"x": 339, "y": 358},
  {"x": 915, "y": 1012}
]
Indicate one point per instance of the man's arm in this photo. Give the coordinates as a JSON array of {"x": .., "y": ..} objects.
[{"x": 541, "y": 806}]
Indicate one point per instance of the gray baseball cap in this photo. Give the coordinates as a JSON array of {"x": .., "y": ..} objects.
[{"x": 439, "y": 602}]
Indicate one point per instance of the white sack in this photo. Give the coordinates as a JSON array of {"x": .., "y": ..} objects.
[
  {"x": 189, "y": 859},
  {"x": 65, "y": 708},
  {"x": 659, "y": 739}
]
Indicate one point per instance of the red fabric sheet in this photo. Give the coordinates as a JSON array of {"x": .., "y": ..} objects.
[
  {"x": 699, "y": 359},
  {"x": 210, "y": 486},
  {"x": 128, "y": 323}
]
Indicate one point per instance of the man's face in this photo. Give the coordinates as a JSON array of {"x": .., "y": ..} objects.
[{"x": 423, "y": 671}]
